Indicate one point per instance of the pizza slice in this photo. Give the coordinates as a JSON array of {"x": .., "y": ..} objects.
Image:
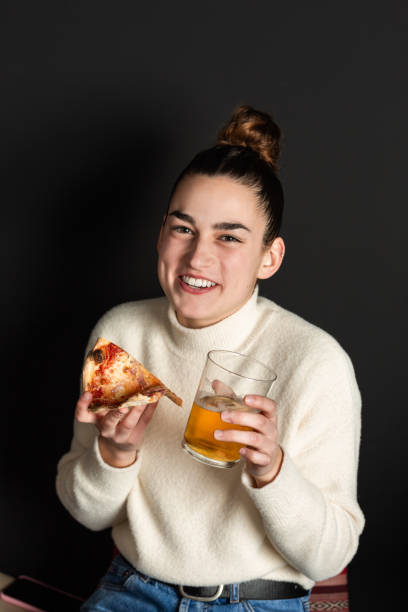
[{"x": 115, "y": 379}]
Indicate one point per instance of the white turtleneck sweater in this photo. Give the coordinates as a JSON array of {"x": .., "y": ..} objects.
[{"x": 183, "y": 522}]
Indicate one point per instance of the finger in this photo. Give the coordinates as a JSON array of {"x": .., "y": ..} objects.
[
  {"x": 82, "y": 414},
  {"x": 264, "y": 404},
  {"x": 255, "y": 420},
  {"x": 145, "y": 419},
  {"x": 138, "y": 417},
  {"x": 221, "y": 388},
  {"x": 147, "y": 414},
  {"x": 107, "y": 425},
  {"x": 255, "y": 457},
  {"x": 131, "y": 418},
  {"x": 247, "y": 438}
]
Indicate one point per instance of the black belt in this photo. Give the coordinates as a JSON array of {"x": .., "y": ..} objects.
[{"x": 253, "y": 589}]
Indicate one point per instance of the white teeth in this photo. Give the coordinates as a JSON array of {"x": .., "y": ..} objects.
[{"x": 197, "y": 282}]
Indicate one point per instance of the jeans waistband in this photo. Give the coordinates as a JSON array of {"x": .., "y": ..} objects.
[{"x": 252, "y": 589}]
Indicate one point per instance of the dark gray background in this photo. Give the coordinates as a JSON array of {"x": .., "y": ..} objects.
[{"x": 102, "y": 104}]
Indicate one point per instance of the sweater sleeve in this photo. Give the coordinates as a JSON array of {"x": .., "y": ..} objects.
[
  {"x": 310, "y": 511},
  {"x": 92, "y": 491}
]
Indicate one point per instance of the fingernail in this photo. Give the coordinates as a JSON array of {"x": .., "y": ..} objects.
[
  {"x": 87, "y": 396},
  {"x": 218, "y": 433},
  {"x": 124, "y": 409},
  {"x": 226, "y": 416},
  {"x": 251, "y": 399}
]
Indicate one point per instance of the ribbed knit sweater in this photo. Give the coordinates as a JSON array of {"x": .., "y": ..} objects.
[{"x": 183, "y": 522}]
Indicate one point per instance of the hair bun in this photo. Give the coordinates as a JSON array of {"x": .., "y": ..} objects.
[{"x": 249, "y": 127}]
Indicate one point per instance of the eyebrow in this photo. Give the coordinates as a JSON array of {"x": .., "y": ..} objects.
[{"x": 225, "y": 225}]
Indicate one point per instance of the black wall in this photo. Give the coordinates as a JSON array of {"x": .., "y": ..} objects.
[{"x": 102, "y": 104}]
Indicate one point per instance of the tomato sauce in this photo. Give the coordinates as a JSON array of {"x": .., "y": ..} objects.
[{"x": 110, "y": 353}]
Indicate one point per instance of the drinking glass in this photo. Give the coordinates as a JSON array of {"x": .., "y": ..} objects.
[{"x": 226, "y": 379}]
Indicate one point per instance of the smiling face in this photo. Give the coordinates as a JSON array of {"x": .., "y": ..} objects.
[{"x": 211, "y": 250}]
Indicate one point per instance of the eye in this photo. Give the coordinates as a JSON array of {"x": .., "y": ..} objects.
[
  {"x": 229, "y": 238},
  {"x": 181, "y": 229}
]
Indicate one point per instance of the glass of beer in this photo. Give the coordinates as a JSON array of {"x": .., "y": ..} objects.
[{"x": 226, "y": 379}]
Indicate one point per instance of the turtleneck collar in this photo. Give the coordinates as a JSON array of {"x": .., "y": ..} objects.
[{"x": 226, "y": 334}]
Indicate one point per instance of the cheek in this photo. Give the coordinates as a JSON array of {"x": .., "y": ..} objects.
[
  {"x": 169, "y": 251},
  {"x": 171, "y": 255},
  {"x": 244, "y": 271},
  {"x": 243, "y": 264}
]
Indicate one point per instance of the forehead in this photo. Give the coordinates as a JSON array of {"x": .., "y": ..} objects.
[{"x": 216, "y": 199}]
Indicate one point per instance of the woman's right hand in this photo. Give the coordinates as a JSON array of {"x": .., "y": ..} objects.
[{"x": 121, "y": 431}]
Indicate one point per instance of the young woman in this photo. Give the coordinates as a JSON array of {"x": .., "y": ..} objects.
[{"x": 288, "y": 514}]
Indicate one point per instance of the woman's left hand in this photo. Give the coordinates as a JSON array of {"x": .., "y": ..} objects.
[{"x": 261, "y": 450}]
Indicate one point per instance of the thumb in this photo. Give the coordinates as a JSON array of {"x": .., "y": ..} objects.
[{"x": 82, "y": 414}]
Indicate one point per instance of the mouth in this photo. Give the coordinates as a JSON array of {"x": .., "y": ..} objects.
[{"x": 196, "y": 285}]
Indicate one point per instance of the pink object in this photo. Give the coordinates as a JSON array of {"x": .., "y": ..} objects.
[{"x": 31, "y": 594}]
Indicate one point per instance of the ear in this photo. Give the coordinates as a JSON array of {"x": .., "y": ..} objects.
[{"x": 272, "y": 258}]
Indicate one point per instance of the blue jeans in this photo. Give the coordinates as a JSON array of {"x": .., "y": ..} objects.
[{"x": 124, "y": 589}]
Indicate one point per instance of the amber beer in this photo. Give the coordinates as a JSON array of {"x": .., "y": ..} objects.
[
  {"x": 205, "y": 417},
  {"x": 226, "y": 379}
]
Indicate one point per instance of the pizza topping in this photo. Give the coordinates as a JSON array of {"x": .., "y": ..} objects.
[
  {"x": 96, "y": 393},
  {"x": 98, "y": 356},
  {"x": 118, "y": 390},
  {"x": 114, "y": 377}
]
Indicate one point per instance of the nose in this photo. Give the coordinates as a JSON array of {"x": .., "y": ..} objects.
[{"x": 200, "y": 255}]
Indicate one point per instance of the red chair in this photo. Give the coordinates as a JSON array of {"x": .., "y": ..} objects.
[{"x": 331, "y": 594}]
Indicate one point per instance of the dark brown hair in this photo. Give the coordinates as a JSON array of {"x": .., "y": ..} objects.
[{"x": 247, "y": 150}]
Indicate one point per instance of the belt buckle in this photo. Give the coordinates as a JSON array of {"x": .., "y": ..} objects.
[{"x": 196, "y": 598}]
